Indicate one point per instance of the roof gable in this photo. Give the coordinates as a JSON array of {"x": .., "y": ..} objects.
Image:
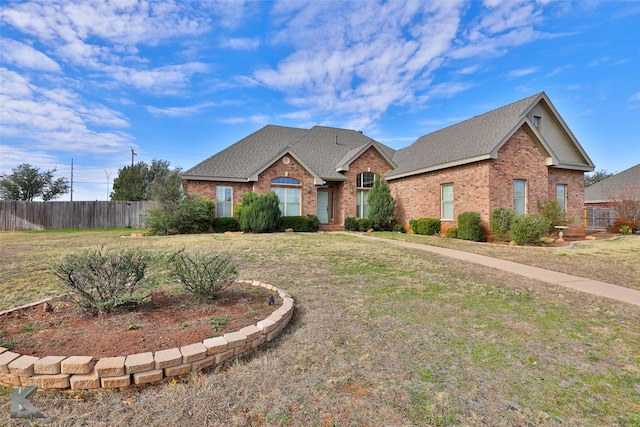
[{"x": 480, "y": 138}]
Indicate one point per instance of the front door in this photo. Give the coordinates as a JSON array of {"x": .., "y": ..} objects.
[{"x": 323, "y": 207}]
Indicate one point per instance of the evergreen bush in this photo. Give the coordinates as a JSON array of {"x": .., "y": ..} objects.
[
  {"x": 222, "y": 225},
  {"x": 260, "y": 214},
  {"x": 364, "y": 224},
  {"x": 452, "y": 232},
  {"x": 528, "y": 229},
  {"x": 469, "y": 227},
  {"x": 192, "y": 214},
  {"x": 381, "y": 204},
  {"x": 350, "y": 224},
  {"x": 500, "y": 223},
  {"x": 425, "y": 226}
]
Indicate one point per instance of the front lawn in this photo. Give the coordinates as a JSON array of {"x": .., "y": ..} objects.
[{"x": 381, "y": 336}]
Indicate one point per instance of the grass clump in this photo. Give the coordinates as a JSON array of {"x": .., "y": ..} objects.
[
  {"x": 104, "y": 280},
  {"x": 204, "y": 275}
]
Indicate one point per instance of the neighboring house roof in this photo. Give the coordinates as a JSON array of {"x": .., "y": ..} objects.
[
  {"x": 323, "y": 151},
  {"x": 609, "y": 189},
  {"x": 327, "y": 152},
  {"x": 480, "y": 138}
]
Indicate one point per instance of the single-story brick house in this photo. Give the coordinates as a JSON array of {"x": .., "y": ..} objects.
[{"x": 509, "y": 157}]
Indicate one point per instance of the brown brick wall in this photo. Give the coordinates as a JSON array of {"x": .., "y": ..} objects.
[
  {"x": 419, "y": 196},
  {"x": 575, "y": 196},
  {"x": 292, "y": 170}
]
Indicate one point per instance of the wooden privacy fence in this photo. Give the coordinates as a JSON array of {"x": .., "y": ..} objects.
[
  {"x": 16, "y": 216},
  {"x": 599, "y": 217}
]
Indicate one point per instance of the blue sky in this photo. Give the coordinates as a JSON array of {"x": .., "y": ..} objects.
[{"x": 179, "y": 81}]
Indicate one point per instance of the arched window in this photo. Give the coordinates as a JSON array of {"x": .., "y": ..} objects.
[
  {"x": 288, "y": 191},
  {"x": 364, "y": 181}
]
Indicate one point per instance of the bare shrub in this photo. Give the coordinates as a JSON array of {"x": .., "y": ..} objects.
[
  {"x": 204, "y": 275},
  {"x": 626, "y": 202},
  {"x": 104, "y": 280}
]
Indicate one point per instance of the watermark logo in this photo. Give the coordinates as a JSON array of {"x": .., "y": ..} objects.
[{"x": 21, "y": 407}]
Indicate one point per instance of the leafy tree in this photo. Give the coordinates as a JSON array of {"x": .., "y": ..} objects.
[
  {"x": 144, "y": 181},
  {"x": 597, "y": 176},
  {"x": 27, "y": 183},
  {"x": 381, "y": 204}
]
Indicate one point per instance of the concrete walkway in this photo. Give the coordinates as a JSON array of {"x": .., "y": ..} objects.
[{"x": 595, "y": 287}]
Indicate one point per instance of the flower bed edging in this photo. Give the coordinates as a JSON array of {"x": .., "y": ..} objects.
[{"x": 87, "y": 372}]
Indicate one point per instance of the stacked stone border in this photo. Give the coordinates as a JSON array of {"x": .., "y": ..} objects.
[{"x": 87, "y": 372}]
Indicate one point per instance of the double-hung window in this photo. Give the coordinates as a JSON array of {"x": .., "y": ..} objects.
[
  {"x": 561, "y": 196},
  {"x": 364, "y": 181},
  {"x": 224, "y": 201},
  {"x": 288, "y": 192},
  {"x": 446, "y": 201},
  {"x": 519, "y": 196}
]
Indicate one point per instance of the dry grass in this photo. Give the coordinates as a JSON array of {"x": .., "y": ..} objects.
[
  {"x": 381, "y": 336},
  {"x": 615, "y": 261}
]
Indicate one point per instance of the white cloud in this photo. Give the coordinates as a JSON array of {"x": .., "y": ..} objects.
[
  {"x": 25, "y": 56},
  {"x": 260, "y": 119},
  {"x": 241, "y": 43},
  {"x": 521, "y": 72},
  {"x": 179, "y": 111},
  {"x": 635, "y": 97}
]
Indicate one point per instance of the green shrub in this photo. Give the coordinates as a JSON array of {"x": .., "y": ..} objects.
[
  {"x": 192, "y": 214},
  {"x": 452, "y": 232},
  {"x": 237, "y": 211},
  {"x": 104, "y": 280},
  {"x": 260, "y": 214},
  {"x": 425, "y": 226},
  {"x": 398, "y": 228},
  {"x": 501, "y": 223},
  {"x": 381, "y": 204},
  {"x": 221, "y": 225},
  {"x": 204, "y": 274},
  {"x": 469, "y": 227},
  {"x": 364, "y": 224},
  {"x": 528, "y": 229},
  {"x": 314, "y": 223},
  {"x": 554, "y": 214},
  {"x": 350, "y": 224}
]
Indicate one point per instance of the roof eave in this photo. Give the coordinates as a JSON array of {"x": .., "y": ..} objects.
[
  {"x": 213, "y": 178},
  {"x": 440, "y": 166},
  {"x": 317, "y": 179},
  {"x": 344, "y": 167}
]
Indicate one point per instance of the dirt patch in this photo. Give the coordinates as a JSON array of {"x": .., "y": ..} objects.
[{"x": 165, "y": 321}]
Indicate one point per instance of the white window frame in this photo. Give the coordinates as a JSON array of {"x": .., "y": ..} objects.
[
  {"x": 222, "y": 204},
  {"x": 519, "y": 200},
  {"x": 562, "y": 202},
  {"x": 287, "y": 189},
  {"x": 364, "y": 182},
  {"x": 446, "y": 202}
]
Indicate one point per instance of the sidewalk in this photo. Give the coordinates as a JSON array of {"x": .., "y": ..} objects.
[{"x": 594, "y": 287}]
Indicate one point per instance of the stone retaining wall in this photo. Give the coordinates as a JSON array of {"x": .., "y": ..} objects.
[{"x": 85, "y": 372}]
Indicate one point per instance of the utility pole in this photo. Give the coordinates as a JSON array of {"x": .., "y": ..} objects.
[
  {"x": 72, "y": 180},
  {"x": 133, "y": 153},
  {"x": 108, "y": 175}
]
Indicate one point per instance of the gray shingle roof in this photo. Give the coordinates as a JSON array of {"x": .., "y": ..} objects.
[
  {"x": 321, "y": 149},
  {"x": 627, "y": 181},
  {"x": 462, "y": 142}
]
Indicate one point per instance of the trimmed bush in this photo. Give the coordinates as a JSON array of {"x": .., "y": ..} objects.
[
  {"x": 350, "y": 224},
  {"x": 204, "y": 274},
  {"x": 364, "y": 224},
  {"x": 221, "y": 225},
  {"x": 425, "y": 226},
  {"x": 452, "y": 232},
  {"x": 469, "y": 227},
  {"x": 314, "y": 223},
  {"x": 104, "y": 280},
  {"x": 260, "y": 214},
  {"x": 528, "y": 229},
  {"x": 501, "y": 223},
  {"x": 398, "y": 228}
]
